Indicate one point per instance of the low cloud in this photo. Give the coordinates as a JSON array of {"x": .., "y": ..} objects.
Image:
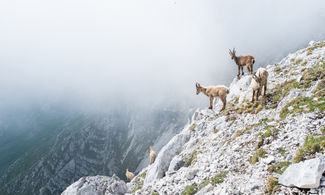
[{"x": 143, "y": 51}]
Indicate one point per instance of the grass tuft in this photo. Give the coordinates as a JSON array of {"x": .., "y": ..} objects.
[
  {"x": 271, "y": 184},
  {"x": 191, "y": 159},
  {"x": 258, "y": 153},
  {"x": 311, "y": 146},
  {"x": 279, "y": 167},
  {"x": 192, "y": 127},
  {"x": 190, "y": 189},
  {"x": 218, "y": 178}
]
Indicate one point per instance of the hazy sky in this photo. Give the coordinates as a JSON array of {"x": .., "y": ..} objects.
[{"x": 143, "y": 49}]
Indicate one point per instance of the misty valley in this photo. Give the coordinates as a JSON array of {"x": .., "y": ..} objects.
[{"x": 45, "y": 148}]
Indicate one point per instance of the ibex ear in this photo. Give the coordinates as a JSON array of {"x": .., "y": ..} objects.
[{"x": 197, "y": 84}]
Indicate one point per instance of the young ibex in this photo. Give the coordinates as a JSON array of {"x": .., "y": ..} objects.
[
  {"x": 212, "y": 92},
  {"x": 259, "y": 80},
  {"x": 242, "y": 61},
  {"x": 152, "y": 156},
  {"x": 129, "y": 175}
]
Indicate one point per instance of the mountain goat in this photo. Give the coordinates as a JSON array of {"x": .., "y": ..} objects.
[
  {"x": 129, "y": 175},
  {"x": 242, "y": 61},
  {"x": 212, "y": 92},
  {"x": 152, "y": 156},
  {"x": 259, "y": 80}
]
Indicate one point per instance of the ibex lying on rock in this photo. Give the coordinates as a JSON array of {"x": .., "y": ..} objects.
[
  {"x": 129, "y": 175},
  {"x": 259, "y": 80},
  {"x": 242, "y": 61},
  {"x": 152, "y": 156},
  {"x": 212, "y": 92}
]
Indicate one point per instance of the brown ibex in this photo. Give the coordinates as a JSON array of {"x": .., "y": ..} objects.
[
  {"x": 212, "y": 92},
  {"x": 259, "y": 80},
  {"x": 242, "y": 61},
  {"x": 129, "y": 175},
  {"x": 152, "y": 156}
]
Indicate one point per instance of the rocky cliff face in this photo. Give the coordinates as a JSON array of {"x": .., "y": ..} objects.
[{"x": 247, "y": 147}]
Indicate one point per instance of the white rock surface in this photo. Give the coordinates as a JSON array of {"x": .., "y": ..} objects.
[
  {"x": 305, "y": 174},
  {"x": 97, "y": 185},
  {"x": 166, "y": 154}
]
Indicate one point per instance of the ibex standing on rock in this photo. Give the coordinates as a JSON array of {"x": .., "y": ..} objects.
[
  {"x": 212, "y": 92},
  {"x": 242, "y": 61},
  {"x": 259, "y": 81},
  {"x": 152, "y": 156},
  {"x": 129, "y": 175}
]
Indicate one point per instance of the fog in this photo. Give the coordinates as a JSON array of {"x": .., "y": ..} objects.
[{"x": 142, "y": 51}]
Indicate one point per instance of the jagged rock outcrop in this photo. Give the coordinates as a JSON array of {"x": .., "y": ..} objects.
[
  {"x": 305, "y": 174},
  {"x": 97, "y": 185},
  {"x": 161, "y": 165}
]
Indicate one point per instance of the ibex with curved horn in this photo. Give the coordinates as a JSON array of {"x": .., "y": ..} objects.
[{"x": 242, "y": 61}]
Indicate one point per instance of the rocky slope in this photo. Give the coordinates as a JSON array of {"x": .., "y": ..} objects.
[{"x": 247, "y": 147}]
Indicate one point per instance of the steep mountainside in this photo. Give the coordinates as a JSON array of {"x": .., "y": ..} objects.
[
  {"x": 247, "y": 147},
  {"x": 81, "y": 144}
]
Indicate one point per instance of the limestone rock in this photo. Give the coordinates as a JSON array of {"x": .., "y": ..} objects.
[
  {"x": 305, "y": 174},
  {"x": 97, "y": 185}
]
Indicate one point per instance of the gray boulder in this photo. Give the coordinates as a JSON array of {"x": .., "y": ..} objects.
[
  {"x": 97, "y": 185},
  {"x": 305, "y": 174}
]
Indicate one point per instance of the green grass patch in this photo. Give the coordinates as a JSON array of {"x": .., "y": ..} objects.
[
  {"x": 190, "y": 189},
  {"x": 259, "y": 153},
  {"x": 281, "y": 151},
  {"x": 312, "y": 145},
  {"x": 218, "y": 178},
  {"x": 313, "y": 74},
  {"x": 138, "y": 182},
  {"x": 192, "y": 127},
  {"x": 203, "y": 184},
  {"x": 279, "y": 167},
  {"x": 191, "y": 159},
  {"x": 283, "y": 89},
  {"x": 302, "y": 104},
  {"x": 277, "y": 70}
]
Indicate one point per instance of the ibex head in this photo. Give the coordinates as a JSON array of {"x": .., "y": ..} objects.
[
  {"x": 232, "y": 53},
  {"x": 198, "y": 88}
]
